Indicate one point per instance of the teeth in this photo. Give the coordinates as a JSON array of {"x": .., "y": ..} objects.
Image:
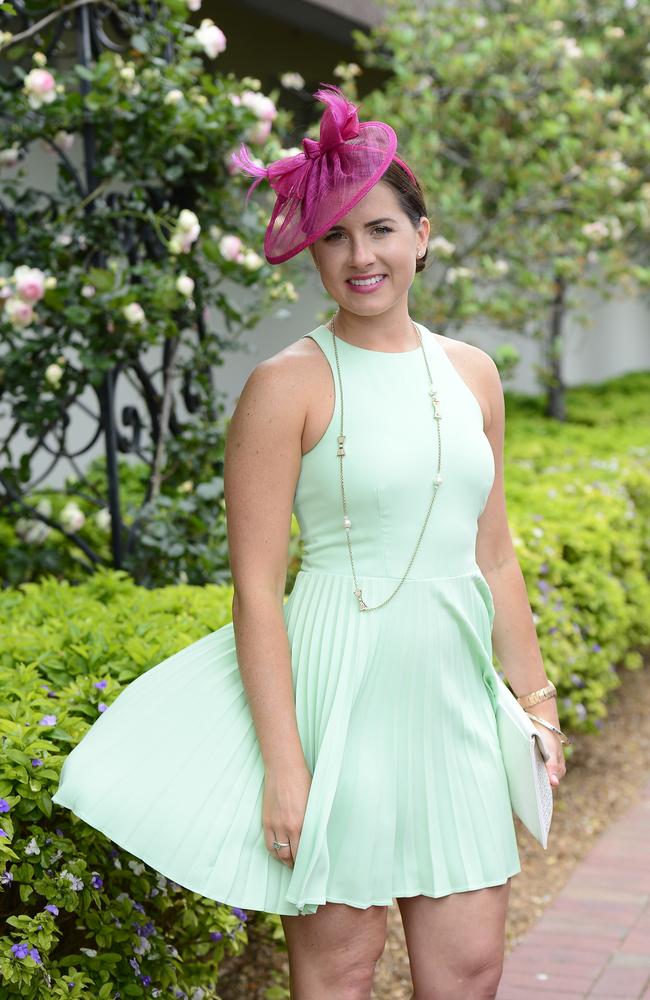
[{"x": 367, "y": 281}]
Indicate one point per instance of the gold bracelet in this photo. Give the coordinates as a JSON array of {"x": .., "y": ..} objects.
[
  {"x": 563, "y": 739},
  {"x": 534, "y": 698}
]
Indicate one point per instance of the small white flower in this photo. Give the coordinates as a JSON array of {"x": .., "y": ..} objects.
[
  {"x": 88, "y": 291},
  {"x": 53, "y": 374},
  {"x": 136, "y": 867},
  {"x": 44, "y": 507},
  {"x": 501, "y": 266},
  {"x": 128, "y": 73},
  {"x": 187, "y": 220},
  {"x": 103, "y": 519},
  {"x": 29, "y": 282},
  {"x": 39, "y": 58},
  {"x": 193, "y": 5},
  {"x": 134, "y": 313},
  {"x": 72, "y": 517},
  {"x": 10, "y": 156},
  {"x": 19, "y": 313},
  {"x": 91, "y": 952},
  {"x": 292, "y": 81},
  {"x": 186, "y": 487},
  {"x": 173, "y": 96},
  {"x": 442, "y": 247},
  {"x": 40, "y": 88},
  {"x": 215, "y": 232},
  {"x": 185, "y": 284},
  {"x": 211, "y": 38},
  {"x": 251, "y": 261},
  {"x": 537, "y": 532},
  {"x": 230, "y": 247},
  {"x": 32, "y": 847},
  {"x": 571, "y": 48}
]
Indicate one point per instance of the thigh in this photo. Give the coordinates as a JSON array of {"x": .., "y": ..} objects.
[
  {"x": 455, "y": 939},
  {"x": 336, "y": 944}
]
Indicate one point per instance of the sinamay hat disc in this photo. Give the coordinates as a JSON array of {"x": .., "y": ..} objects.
[{"x": 319, "y": 186}]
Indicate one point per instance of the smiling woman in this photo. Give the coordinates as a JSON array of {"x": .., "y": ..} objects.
[{"x": 335, "y": 751}]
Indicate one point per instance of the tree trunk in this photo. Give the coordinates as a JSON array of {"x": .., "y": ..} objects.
[{"x": 556, "y": 402}]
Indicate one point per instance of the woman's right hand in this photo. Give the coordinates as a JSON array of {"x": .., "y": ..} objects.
[{"x": 283, "y": 810}]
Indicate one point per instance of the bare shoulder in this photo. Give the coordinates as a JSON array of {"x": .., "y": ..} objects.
[{"x": 480, "y": 373}]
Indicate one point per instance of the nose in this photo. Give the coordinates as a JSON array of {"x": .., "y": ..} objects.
[{"x": 361, "y": 252}]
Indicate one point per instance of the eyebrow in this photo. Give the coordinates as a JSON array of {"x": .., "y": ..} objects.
[{"x": 374, "y": 222}]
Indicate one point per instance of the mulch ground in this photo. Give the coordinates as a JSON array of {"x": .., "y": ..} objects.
[{"x": 604, "y": 776}]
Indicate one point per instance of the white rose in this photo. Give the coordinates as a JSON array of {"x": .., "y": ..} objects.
[
  {"x": 251, "y": 260},
  {"x": 439, "y": 245},
  {"x": 72, "y": 518},
  {"x": 230, "y": 247},
  {"x": 18, "y": 312},
  {"x": 173, "y": 96},
  {"x": 193, "y": 5},
  {"x": 211, "y": 38},
  {"x": 53, "y": 374},
  {"x": 9, "y": 157},
  {"x": 258, "y": 133},
  {"x": 184, "y": 284},
  {"x": 292, "y": 81},
  {"x": 103, "y": 519},
  {"x": 134, "y": 313}
]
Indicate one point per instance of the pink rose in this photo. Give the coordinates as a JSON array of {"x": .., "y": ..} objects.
[
  {"x": 230, "y": 247},
  {"x": 30, "y": 283}
]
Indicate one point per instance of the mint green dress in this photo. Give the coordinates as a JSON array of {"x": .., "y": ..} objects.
[{"x": 395, "y": 707}]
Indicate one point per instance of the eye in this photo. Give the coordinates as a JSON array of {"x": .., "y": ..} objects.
[{"x": 382, "y": 230}]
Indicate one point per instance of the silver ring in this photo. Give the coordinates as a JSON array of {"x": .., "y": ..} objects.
[{"x": 276, "y": 845}]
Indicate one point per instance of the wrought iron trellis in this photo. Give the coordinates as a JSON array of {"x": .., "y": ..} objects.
[{"x": 98, "y": 26}]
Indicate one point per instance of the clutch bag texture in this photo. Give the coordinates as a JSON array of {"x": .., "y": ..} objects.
[{"x": 524, "y": 756}]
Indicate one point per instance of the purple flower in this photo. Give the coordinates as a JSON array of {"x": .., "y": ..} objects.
[
  {"x": 48, "y": 720},
  {"x": 102, "y": 707},
  {"x": 146, "y": 980},
  {"x": 544, "y": 585},
  {"x": 133, "y": 962},
  {"x": 96, "y": 881},
  {"x": 215, "y": 935},
  {"x": 20, "y": 950},
  {"x": 36, "y": 762},
  {"x": 6, "y": 878},
  {"x": 35, "y": 955},
  {"x": 552, "y": 629},
  {"x": 239, "y": 913},
  {"x": 52, "y": 908},
  {"x": 4, "y": 806},
  {"x": 71, "y": 984},
  {"x": 139, "y": 907},
  {"x": 100, "y": 684},
  {"x": 3, "y": 833},
  {"x": 52, "y": 694},
  {"x": 543, "y": 568},
  {"x": 596, "y": 647}
]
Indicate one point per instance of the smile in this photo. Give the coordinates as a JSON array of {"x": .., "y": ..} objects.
[{"x": 366, "y": 284}]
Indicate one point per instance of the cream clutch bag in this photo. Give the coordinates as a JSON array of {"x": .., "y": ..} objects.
[{"x": 524, "y": 756}]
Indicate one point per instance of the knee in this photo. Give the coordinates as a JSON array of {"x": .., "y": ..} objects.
[
  {"x": 354, "y": 981},
  {"x": 476, "y": 978}
]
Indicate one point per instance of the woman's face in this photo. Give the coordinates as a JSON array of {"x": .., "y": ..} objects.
[{"x": 375, "y": 240}]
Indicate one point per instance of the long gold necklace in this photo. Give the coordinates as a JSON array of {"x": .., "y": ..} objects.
[{"x": 437, "y": 479}]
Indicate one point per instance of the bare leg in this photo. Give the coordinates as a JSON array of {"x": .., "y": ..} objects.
[
  {"x": 456, "y": 943},
  {"x": 333, "y": 952}
]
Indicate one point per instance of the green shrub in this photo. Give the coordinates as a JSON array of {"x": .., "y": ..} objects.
[{"x": 114, "y": 926}]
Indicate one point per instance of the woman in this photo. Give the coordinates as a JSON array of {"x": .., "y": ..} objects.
[{"x": 331, "y": 753}]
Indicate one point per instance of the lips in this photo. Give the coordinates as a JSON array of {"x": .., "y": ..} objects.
[{"x": 364, "y": 277}]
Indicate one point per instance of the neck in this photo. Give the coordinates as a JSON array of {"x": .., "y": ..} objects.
[{"x": 389, "y": 331}]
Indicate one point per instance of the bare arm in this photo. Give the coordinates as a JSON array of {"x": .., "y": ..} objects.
[
  {"x": 514, "y": 636},
  {"x": 262, "y": 465}
]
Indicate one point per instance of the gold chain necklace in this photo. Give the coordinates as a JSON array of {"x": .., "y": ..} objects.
[{"x": 437, "y": 479}]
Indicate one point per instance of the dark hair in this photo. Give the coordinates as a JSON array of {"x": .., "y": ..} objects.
[{"x": 410, "y": 197}]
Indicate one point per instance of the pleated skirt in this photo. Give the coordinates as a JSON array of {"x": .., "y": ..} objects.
[{"x": 396, "y": 715}]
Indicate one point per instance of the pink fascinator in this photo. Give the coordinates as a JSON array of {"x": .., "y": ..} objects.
[{"x": 319, "y": 186}]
